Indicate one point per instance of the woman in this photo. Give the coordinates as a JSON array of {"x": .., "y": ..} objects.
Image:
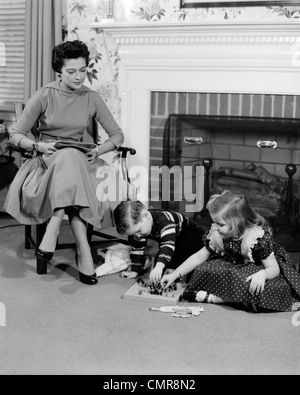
[{"x": 55, "y": 181}]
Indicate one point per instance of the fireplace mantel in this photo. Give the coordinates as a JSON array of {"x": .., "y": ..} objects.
[
  {"x": 196, "y": 32},
  {"x": 252, "y": 58}
]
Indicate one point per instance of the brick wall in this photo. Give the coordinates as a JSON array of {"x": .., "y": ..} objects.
[{"x": 230, "y": 150}]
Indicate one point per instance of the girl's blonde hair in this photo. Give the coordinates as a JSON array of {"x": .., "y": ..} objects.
[{"x": 234, "y": 209}]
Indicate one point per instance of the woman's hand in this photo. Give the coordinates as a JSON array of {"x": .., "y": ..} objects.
[
  {"x": 92, "y": 155},
  {"x": 168, "y": 279},
  {"x": 257, "y": 284},
  {"x": 46, "y": 148}
]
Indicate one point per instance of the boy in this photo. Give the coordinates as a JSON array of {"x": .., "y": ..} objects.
[{"x": 178, "y": 236}]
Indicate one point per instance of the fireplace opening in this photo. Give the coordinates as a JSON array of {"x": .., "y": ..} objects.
[{"x": 254, "y": 155}]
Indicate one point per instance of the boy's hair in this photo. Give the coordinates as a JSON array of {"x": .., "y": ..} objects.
[
  {"x": 128, "y": 213},
  {"x": 235, "y": 210},
  {"x": 69, "y": 50}
]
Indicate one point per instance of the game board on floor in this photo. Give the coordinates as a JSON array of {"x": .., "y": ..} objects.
[{"x": 144, "y": 291}]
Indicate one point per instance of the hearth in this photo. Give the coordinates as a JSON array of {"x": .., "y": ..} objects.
[{"x": 239, "y": 153}]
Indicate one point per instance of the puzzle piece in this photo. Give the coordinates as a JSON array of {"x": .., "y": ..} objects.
[
  {"x": 185, "y": 310},
  {"x": 145, "y": 291}
]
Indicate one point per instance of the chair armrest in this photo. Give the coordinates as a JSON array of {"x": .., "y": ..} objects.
[
  {"x": 24, "y": 153},
  {"x": 29, "y": 154},
  {"x": 125, "y": 150}
]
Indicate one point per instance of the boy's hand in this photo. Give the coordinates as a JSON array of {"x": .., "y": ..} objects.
[{"x": 156, "y": 274}]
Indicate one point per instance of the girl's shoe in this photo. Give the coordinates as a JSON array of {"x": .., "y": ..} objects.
[
  {"x": 190, "y": 296},
  {"x": 43, "y": 258},
  {"x": 206, "y": 297},
  {"x": 84, "y": 278},
  {"x": 202, "y": 296}
]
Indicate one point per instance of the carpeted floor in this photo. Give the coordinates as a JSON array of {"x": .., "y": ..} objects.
[{"x": 56, "y": 325}]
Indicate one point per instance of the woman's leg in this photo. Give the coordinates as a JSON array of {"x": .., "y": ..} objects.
[
  {"x": 85, "y": 259},
  {"x": 52, "y": 231}
]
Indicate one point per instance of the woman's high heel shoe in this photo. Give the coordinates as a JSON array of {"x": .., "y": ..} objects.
[
  {"x": 84, "y": 278},
  {"x": 43, "y": 258}
]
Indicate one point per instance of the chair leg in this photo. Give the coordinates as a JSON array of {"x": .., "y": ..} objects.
[
  {"x": 89, "y": 232},
  {"x": 27, "y": 237},
  {"x": 41, "y": 264}
]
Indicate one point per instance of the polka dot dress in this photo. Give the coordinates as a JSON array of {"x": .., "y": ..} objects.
[{"x": 225, "y": 275}]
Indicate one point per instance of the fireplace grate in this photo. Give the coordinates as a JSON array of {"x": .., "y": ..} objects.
[{"x": 242, "y": 153}]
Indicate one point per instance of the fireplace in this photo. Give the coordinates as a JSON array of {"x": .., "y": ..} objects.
[
  {"x": 230, "y": 126},
  {"x": 166, "y": 67},
  {"x": 226, "y": 58}
]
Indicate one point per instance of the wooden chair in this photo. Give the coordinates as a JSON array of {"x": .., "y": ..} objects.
[{"x": 33, "y": 239}]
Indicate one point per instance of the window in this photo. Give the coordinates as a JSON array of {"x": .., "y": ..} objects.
[{"x": 12, "y": 52}]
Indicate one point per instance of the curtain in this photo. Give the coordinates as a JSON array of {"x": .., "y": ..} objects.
[
  {"x": 43, "y": 31},
  {"x": 12, "y": 52}
]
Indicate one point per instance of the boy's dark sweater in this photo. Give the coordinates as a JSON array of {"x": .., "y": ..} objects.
[{"x": 167, "y": 226}]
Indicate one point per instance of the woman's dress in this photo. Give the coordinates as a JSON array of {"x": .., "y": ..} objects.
[
  {"x": 233, "y": 261},
  {"x": 44, "y": 184}
]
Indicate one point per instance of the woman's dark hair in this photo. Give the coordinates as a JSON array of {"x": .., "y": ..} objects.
[{"x": 69, "y": 50}]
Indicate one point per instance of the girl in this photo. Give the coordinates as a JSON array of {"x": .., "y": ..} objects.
[{"x": 240, "y": 262}]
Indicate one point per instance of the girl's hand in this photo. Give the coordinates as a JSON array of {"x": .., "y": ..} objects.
[
  {"x": 257, "y": 284},
  {"x": 46, "y": 148},
  {"x": 92, "y": 155},
  {"x": 168, "y": 279}
]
